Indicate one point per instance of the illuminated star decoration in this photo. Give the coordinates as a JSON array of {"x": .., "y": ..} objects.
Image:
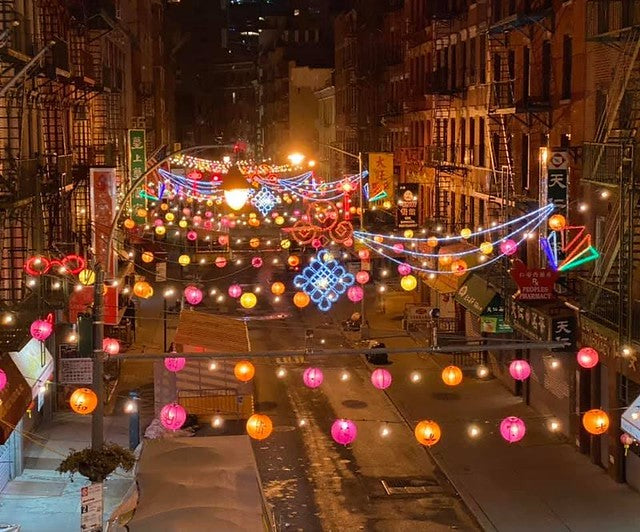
[
  {"x": 324, "y": 280},
  {"x": 264, "y": 201},
  {"x": 568, "y": 248}
]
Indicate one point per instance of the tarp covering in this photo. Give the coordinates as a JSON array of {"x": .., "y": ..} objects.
[{"x": 198, "y": 483}]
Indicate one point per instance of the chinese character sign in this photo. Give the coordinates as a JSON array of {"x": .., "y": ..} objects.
[
  {"x": 408, "y": 205},
  {"x": 137, "y": 167},
  {"x": 102, "y": 188},
  {"x": 558, "y": 180},
  {"x": 381, "y": 176}
]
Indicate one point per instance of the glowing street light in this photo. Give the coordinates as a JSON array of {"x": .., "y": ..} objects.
[
  {"x": 236, "y": 188},
  {"x": 296, "y": 158}
]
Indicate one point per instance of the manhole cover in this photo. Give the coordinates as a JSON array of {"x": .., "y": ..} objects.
[{"x": 411, "y": 486}]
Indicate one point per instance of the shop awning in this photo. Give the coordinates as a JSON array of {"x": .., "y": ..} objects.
[
  {"x": 475, "y": 294},
  {"x": 442, "y": 283},
  {"x": 212, "y": 332},
  {"x": 14, "y": 399},
  {"x": 630, "y": 425},
  {"x": 35, "y": 363},
  {"x": 445, "y": 282}
]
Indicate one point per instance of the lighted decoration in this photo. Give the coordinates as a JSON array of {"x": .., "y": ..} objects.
[
  {"x": 301, "y": 300},
  {"x": 381, "y": 378},
  {"x": 512, "y": 429},
  {"x": 433, "y": 241},
  {"x": 364, "y": 254},
  {"x": 355, "y": 293},
  {"x": 466, "y": 233},
  {"x": 520, "y": 370},
  {"x": 279, "y": 220},
  {"x": 459, "y": 267},
  {"x": 408, "y": 283},
  {"x": 557, "y": 222},
  {"x": 452, "y": 375},
  {"x": 312, "y": 377},
  {"x": 42, "y": 329},
  {"x": 404, "y": 269},
  {"x": 362, "y": 277},
  {"x": 254, "y": 242},
  {"x": 182, "y": 223},
  {"x": 173, "y": 416},
  {"x": 39, "y": 265},
  {"x": 248, "y": 300},
  {"x": 264, "y": 200},
  {"x": 344, "y": 431},
  {"x": 408, "y": 233},
  {"x": 595, "y": 421},
  {"x": 193, "y": 295},
  {"x": 587, "y": 357},
  {"x": 278, "y": 288},
  {"x": 398, "y": 248},
  {"x": 508, "y": 247},
  {"x": 259, "y": 426},
  {"x": 486, "y": 248},
  {"x": 175, "y": 364},
  {"x": 3, "y": 380},
  {"x": 321, "y": 223},
  {"x": 87, "y": 277},
  {"x": 285, "y": 243},
  {"x": 170, "y": 217},
  {"x": 235, "y": 291},
  {"x": 142, "y": 289},
  {"x": 569, "y": 248},
  {"x": 161, "y": 230},
  {"x": 220, "y": 262},
  {"x": 293, "y": 261},
  {"x": 141, "y": 213},
  {"x": 257, "y": 262},
  {"x": 83, "y": 401},
  {"x": 184, "y": 260},
  {"x": 111, "y": 346},
  {"x": 324, "y": 280},
  {"x": 147, "y": 256},
  {"x": 626, "y": 440},
  {"x": 244, "y": 371},
  {"x": 428, "y": 433},
  {"x": 129, "y": 223},
  {"x": 192, "y": 236},
  {"x": 445, "y": 260}
]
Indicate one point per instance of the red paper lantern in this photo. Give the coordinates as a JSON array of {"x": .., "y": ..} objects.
[{"x": 111, "y": 346}]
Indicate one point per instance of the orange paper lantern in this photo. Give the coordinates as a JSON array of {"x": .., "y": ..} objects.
[
  {"x": 452, "y": 375},
  {"x": 259, "y": 426},
  {"x": 83, "y": 401},
  {"x": 595, "y": 421},
  {"x": 428, "y": 433},
  {"x": 293, "y": 261},
  {"x": 143, "y": 289},
  {"x": 278, "y": 288},
  {"x": 301, "y": 300},
  {"x": 244, "y": 371}
]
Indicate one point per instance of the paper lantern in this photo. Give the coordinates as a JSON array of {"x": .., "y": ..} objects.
[
  {"x": 452, "y": 375},
  {"x": 147, "y": 256},
  {"x": 595, "y": 421},
  {"x": 293, "y": 261},
  {"x": 192, "y": 236},
  {"x": 404, "y": 269},
  {"x": 466, "y": 233},
  {"x": 3, "y": 380},
  {"x": 220, "y": 262},
  {"x": 186, "y": 211},
  {"x": 256, "y": 262},
  {"x": 184, "y": 260},
  {"x": 344, "y": 431},
  {"x": 362, "y": 277},
  {"x": 381, "y": 379},
  {"x": 508, "y": 247},
  {"x": 259, "y": 426},
  {"x": 142, "y": 289},
  {"x": 254, "y": 222},
  {"x": 248, "y": 300},
  {"x": 363, "y": 254},
  {"x": 235, "y": 291},
  {"x": 520, "y": 370},
  {"x": 164, "y": 207},
  {"x": 398, "y": 248},
  {"x": 587, "y": 357},
  {"x": 445, "y": 260},
  {"x": 129, "y": 223},
  {"x": 208, "y": 225},
  {"x": 312, "y": 377},
  {"x": 557, "y": 222},
  {"x": 408, "y": 283},
  {"x": 111, "y": 346},
  {"x": 285, "y": 244},
  {"x": 486, "y": 248},
  {"x": 254, "y": 242},
  {"x": 355, "y": 293},
  {"x": 223, "y": 240},
  {"x": 193, "y": 294},
  {"x": 427, "y": 432},
  {"x": 279, "y": 220},
  {"x": 277, "y": 288},
  {"x": 244, "y": 371},
  {"x": 169, "y": 217},
  {"x": 160, "y": 230},
  {"x": 141, "y": 213},
  {"x": 175, "y": 364},
  {"x": 197, "y": 220},
  {"x": 87, "y": 277},
  {"x": 458, "y": 267},
  {"x": 408, "y": 233},
  {"x": 301, "y": 300},
  {"x": 512, "y": 429},
  {"x": 173, "y": 416},
  {"x": 432, "y": 241},
  {"x": 83, "y": 401},
  {"x": 41, "y": 329}
]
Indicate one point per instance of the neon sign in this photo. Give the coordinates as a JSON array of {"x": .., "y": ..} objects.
[
  {"x": 39, "y": 265},
  {"x": 568, "y": 248}
]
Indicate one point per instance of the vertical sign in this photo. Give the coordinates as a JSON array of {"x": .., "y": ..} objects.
[
  {"x": 381, "y": 176},
  {"x": 408, "y": 207},
  {"x": 91, "y": 507},
  {"x": 558, "y": 180},
  {"x": 137, "y": 167},
  {"x": 102, "y": 190}
]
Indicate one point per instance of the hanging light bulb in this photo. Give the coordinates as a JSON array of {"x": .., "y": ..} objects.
[{"x": 236, "y": 189}]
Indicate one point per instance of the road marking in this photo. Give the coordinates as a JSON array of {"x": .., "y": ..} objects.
[{"x": 300, "y": 359}]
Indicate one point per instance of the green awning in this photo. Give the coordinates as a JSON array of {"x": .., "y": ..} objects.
[{"x": 475, "y": 294}]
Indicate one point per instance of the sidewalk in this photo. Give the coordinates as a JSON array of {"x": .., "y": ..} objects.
[{"x": 537, "y": 484}]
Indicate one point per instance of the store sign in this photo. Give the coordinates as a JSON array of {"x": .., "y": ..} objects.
[
  {"x": 558, "y": 180},
  {"x": 102, "y": 188},
  {"x": 607, "y": 343},
  {"x": 534, "y": 284},
  {"x": 539, "y": 324},
  {"x": 564, "y": 329},
  {"x": 475, "y": 294},
  {"x": 14, "y": 398},
  {"x": 408, "y": 206},
  {"x": 75, "y": 371},
  {"x": 137, "y": 167},
  {"x": 416, "y": 315},
  {"x": 493, "y": 320},
  {"x": 381, "y": 176},
  {"x": 91, "y": 507}
]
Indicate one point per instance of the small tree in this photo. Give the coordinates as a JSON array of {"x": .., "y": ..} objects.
[{"x": 97, "y": 465}]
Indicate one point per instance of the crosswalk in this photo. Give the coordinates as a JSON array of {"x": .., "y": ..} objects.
[{"x": 299, "y": 359}]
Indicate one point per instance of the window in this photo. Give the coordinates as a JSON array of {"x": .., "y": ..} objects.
[
  {"x": 472, "y": 141},
  {"x": 465, "y": 77},
  {"x": 546, "y": 70},
  {"x": 481, "y": 141},
  {"x": 463, "y": 141},
  {"x": 565, "y": 140},
  {"x": 472, "y": 61},
  {"x": 628, "y": 390},
  {"x": 567, "y": 52},
  {"x": 483, "y": 59}
]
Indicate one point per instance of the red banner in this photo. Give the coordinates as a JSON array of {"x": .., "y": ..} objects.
[{"x": 102, "y": 186}]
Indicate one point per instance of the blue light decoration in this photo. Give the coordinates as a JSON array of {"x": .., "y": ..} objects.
[
  {"x": 324, "y": 280},
  {"x": 264, "y": 200},
  {"x": 568, "y": 248}
]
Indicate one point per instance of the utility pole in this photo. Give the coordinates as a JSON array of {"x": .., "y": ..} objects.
[{"x": 97, "y": 425}]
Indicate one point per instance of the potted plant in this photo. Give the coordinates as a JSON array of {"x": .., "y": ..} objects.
[{"x": 97, "y": 465}]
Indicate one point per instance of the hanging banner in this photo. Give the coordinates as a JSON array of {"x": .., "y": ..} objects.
[
  {"x": 102, "y": 189},
  {"x": 137, "y": 167},
  {"x": 408, "y": 206},
  {"x": 558, "y": 181},
  {"x": 534, "y": 284},
  {"x": 381, "y": 176}
]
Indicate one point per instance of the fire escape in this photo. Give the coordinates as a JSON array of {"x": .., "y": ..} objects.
[{"x": 610, "y": 163}]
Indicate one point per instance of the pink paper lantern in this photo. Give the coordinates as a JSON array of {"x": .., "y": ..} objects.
[
  {"x": 186, "y": 211},
  {"x": 3, "y": 380},
  {"x": 363, "y": 277},
  {"x": 232, "y": 224},
  {"x": 175, "y": 364},
  {"x": 344, "y": 431},
  {"x": 223, "y": 240},
  {"x": 173, "y": 416},
  {"x": 512, "y": 429},
  {"x": 197, "y": 220},
  {"x": 508, "y": 247},
  {"x": 364, "y": 254},
  {"x": 256, "y": 262},
  {"x": 158, "y": 222},
  {"x": 224, "y": 221},
  {"x": 355, "y": 293},
  {"x": 192, "y": 235},
  {"x": 587, "y": 357},
  {"x": 312, "y": 377},
  {"x": 208, "y": 214},
  {"x": 221, "y": 262},
  {"x": 111, "y": 346},
  {"x": 235, "y": 291},
  {"x": 398, "y": 248},
  {"x": 193, "y": 294},
  {"x": 404, "y": 269},
  {"x": 381, "y": 379},
  {"x": 520, "y": 370},
  {"x": 41, "y": 329}
]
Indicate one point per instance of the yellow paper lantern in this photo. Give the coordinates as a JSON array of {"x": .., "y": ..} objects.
[
  {"x": 466, "y": 233},
  {"x": 254, "y": 242},
  {"x": 147, "y": 256},
  {"x": 386, "y": 204},
  {"x": 254, "y": 222},
  {"x": 244, "y": 371},
  {"x": 432, "y": 241},
  {"x": 595, "y": 421},
  {"x": 142, "y": 213},
  {"x": 183, "y": 223},
  {"x": 277, "y": 288},
  {"x": 557, "y": 222},
  {"x": 87, "y": 277},
  {"x": 143, "y": 289},
  {"x": 486, "y": 248},
  {"x": 279, "y": 220},
  {"x": 301, "y": 300},
  {"x": 408, "y": 282},
  {"x": 170, "y": 217},
  {"x": 129, "y": 223},
  {"x": 259, "y": 426},
  {"x": 248, "y": 300},
  {"x": 408, "y": 233},
  {"x": 184, "y": 260},
  {"x": 452, "y": 375},
  {"x": 285, "y": 244},
  {"x": 83, "y": 401},
  {"x": 378, "y": 239},
  {"x": 160, "y": 230},
  {"x": 428, "y": 433}
]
